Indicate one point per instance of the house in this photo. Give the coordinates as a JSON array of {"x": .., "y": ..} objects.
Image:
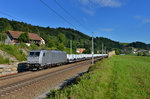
[
  {"x": 80, "y": 50},
  {"x": 134, "y": 51},
  {"x": 12, "y": 38}
]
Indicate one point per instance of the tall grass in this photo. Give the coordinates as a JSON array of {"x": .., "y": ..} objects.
[
  {"x": 14, "y": 51},
  {"x": 121, "y": 77},
  {"x": 4, "y": 60}
]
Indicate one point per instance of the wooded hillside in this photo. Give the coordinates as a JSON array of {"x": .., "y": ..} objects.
[{"x": 59, "y": 38}]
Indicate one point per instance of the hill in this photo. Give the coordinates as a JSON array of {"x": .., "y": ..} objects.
[
  {"x": 139, "y": 45},
  {"x": 59, "y": 38},
  {"x": 56, "y": 37}
]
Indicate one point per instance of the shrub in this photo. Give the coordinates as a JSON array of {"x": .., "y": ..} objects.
[
  {"x": 139, "y": 54},
  {"x": 61, "y": 47},
  {"x": 4, "y": 61},
  {"x": 23, "y": 45},
  {"x": 24, "y": 37},
  {"x": 33, "y": 46},
  {"x": 145, "y": 54},
  {"x": 14, "y": 51}
]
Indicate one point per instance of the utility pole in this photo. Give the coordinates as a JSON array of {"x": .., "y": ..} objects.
[
  {"x": 1, "y": 38},
  {"x": 71, "y": 47},
  {"x": 102, "y": 49},
  {"x": 39, "y": 32},
  {"x": 92, "y": 49}
]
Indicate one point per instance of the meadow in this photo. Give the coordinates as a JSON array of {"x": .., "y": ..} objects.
[{"x": 120, "y": 77}]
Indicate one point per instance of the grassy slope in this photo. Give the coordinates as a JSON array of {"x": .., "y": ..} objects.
[
  {"x": 4, "y": 60},
  {"x": 14, "y": 51},
  {"x": 119, "y": 77}
]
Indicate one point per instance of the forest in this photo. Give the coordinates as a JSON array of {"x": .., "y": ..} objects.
[{"x": 59, "y": 38}]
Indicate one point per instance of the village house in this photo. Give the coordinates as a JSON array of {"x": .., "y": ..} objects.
[
  {"x": 80, "y": 50},
  {"x": 12, "y": 38}
]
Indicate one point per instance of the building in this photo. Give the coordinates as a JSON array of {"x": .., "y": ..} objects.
[
  {"x": 12, "y": 38},
  {"x": 80, "y": 50}
]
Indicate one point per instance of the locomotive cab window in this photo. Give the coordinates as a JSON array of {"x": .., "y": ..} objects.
[
  {"x": 31, "y": 53},
  {"x": 37, "y": 53},
  {"x": 34, "y": 54},
  {"x": 43, "y": 54}
]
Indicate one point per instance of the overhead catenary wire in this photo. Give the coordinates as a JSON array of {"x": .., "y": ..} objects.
[
  {"x": 6, "y": 14},
  {"x": 57, "y": 14},
  {"x": 67, "y": 12},
  {"x": 70, "y": 14}
]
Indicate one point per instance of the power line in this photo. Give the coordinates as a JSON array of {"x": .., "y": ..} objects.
[
  {"x": 57, "y": 13},
  {"x": 69, "y": 13},
  {"x": 9, "y": 15}
]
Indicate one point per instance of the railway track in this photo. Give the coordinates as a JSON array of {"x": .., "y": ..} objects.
[
  {"x": 18, "y": 74},
  {"x": 14, "y": 75},
  {"x": 26, "y": 82}
]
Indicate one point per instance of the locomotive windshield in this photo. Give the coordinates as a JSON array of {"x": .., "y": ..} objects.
[
  {"x": 34, "y": 54},
  {"x": 37, "y": 53},
  {"x": 31, "y": 53}
]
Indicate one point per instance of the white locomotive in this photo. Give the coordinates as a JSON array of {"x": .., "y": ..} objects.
[{"x": 40, "y": 59}]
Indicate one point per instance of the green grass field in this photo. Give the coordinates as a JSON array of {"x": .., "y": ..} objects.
[{"x": 120, "y": 77}]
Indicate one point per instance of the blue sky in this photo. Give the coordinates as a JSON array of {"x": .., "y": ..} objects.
[{"x": 119, "y": 20}]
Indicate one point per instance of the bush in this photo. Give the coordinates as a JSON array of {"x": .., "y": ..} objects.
[
  {"x": 117, "y": 52},
  {"x": 145, "y": 54},
  {"x": 61, "y": 47},
  {"x": 2, "y": 37},
  {"x": 33, "y": 46},
  {"x": 139, "y": 54},
  {"x": 24, "y": 37},
  {"x": 14, "y": 51},
  {"x": 4, "y": 61},
  {"x": 23, "y": 45}
]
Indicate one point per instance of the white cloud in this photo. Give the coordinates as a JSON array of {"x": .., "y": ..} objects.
[
  {"x": 88, "y": 11},
  {"x": 102, "y": 3},
  {"x": 89, "y": 6},
  {"x": 146, "y": 21},
  {"x": 138, "y": 17},
  {"x": 143, "y": 19},
  {"x": 84, "y": 1},
  {"x": 107, "y": 29}
]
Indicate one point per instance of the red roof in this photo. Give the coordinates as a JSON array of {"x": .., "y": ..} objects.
[{"x": 32, "y": 36}]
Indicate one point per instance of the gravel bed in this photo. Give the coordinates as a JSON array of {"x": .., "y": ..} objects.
[
  {"x": 34, "y": 90},
  {"x": 34, "y": 74}
]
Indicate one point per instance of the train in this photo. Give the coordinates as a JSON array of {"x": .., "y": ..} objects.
[{"x": 42, "y": 59}]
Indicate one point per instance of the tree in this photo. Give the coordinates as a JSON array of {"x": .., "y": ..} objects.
[
  {"x": 62, "y": 38},
  {"x": 60, "y": 46},
  {"x": 87, "y": 51},
  {"x": 145, "y": 54},
  {"x": 50, "y": 42},
  {"x": 4, "y": 25},
  {"x": 139, "y": 54},
  {"x": 117, "y": 51},
  {"x": 24, "y": 37},
  {"x": 2, "y": 37}
]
